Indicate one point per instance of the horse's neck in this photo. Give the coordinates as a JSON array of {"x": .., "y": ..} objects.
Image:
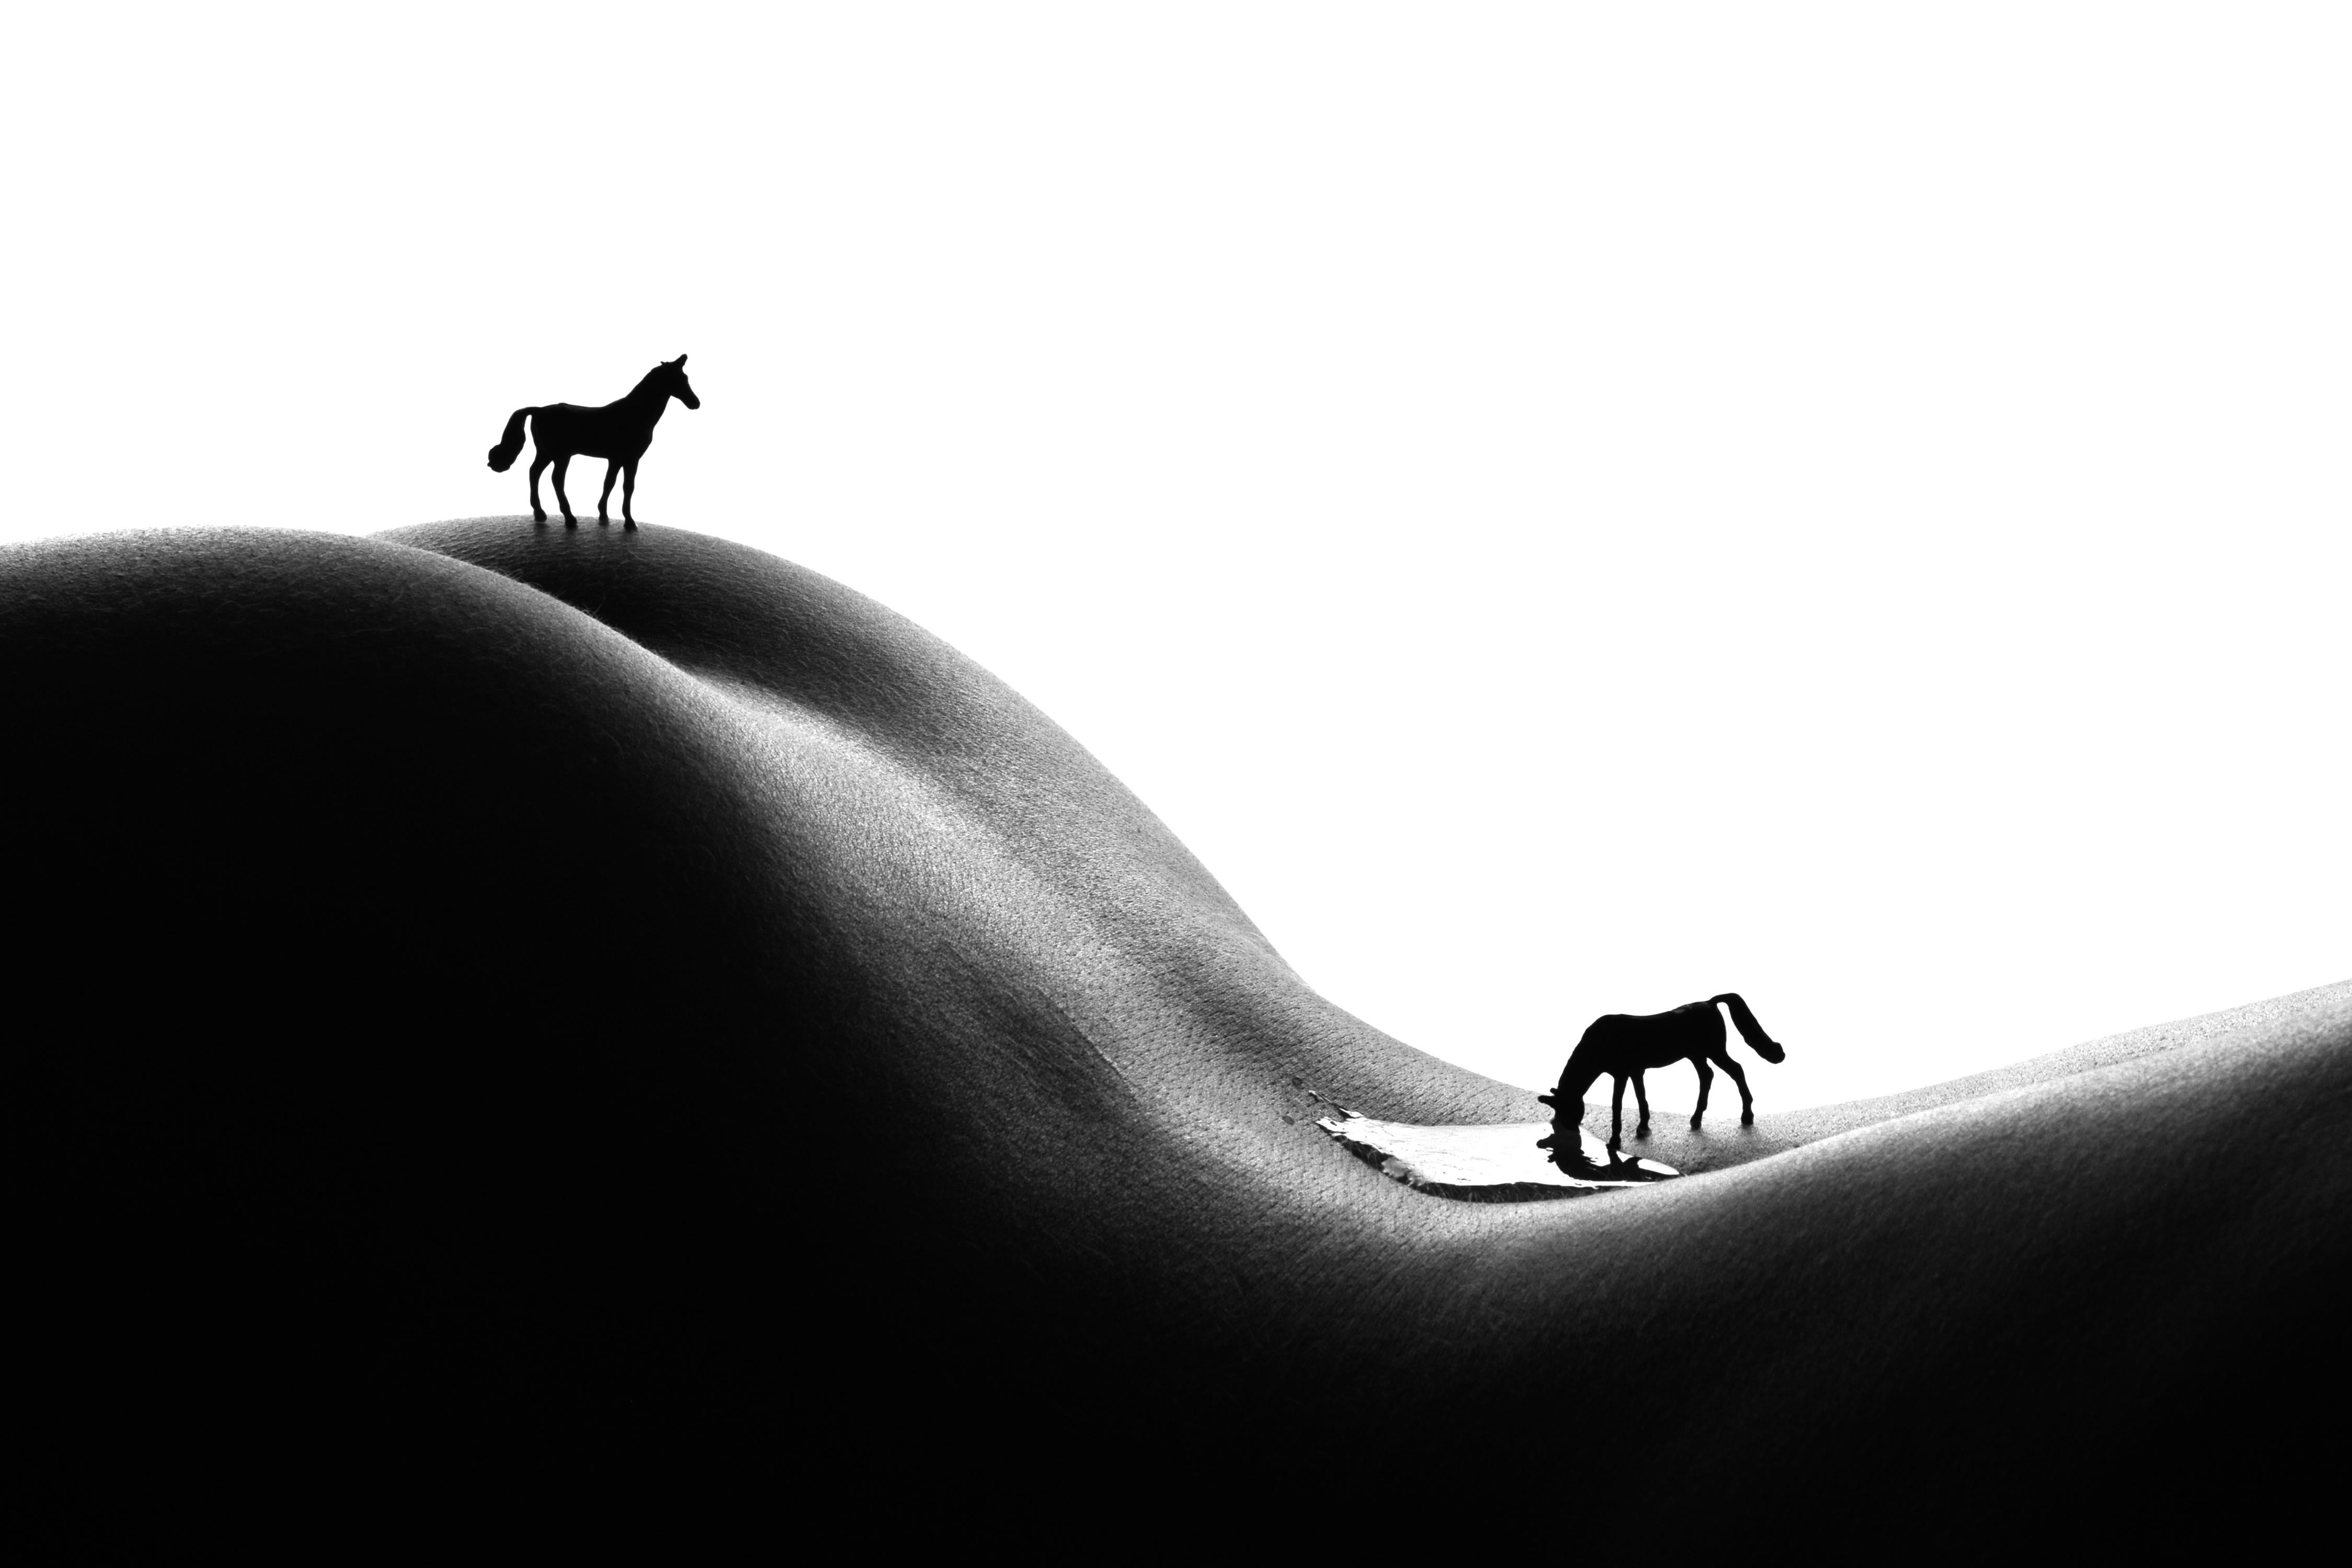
[
  {"x": 648, "y": 397},
  {"x": 1583, "y": 1069}
]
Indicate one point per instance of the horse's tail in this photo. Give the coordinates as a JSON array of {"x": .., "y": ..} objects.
[
  {"x": 1749, "y": 1029},
  {"x": 509, "y": 447}
]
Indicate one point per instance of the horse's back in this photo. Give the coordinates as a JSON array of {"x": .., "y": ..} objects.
[
  {"x": 1622, "y": 1042},
  {"x": 1627, "y": 1041}
]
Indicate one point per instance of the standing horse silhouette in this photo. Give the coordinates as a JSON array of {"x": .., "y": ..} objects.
[
  {"x": 618, "y": 432},
  {"x": 1625, "y": 1045}
]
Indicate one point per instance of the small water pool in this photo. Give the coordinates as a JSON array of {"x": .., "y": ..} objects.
[{"x": 1518, "y": 1162}]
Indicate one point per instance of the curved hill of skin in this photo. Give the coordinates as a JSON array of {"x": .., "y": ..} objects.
[{"x": 557, "y": 997}]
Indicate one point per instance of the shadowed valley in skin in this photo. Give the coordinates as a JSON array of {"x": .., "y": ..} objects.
[{"x": 621, "y": 993}]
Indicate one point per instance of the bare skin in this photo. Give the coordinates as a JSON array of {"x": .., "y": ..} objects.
[{"x": 860, "y": 1047}]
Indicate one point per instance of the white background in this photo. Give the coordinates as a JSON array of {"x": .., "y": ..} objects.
[{"x": 1565, "y": 510}]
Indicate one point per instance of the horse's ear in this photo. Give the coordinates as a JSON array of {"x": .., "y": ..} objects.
[{"x": 681, "y": 361}]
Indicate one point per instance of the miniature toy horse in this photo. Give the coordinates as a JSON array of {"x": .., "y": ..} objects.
[
  {"x": 1625, "y": 1046},
  {"x": 619, "y": 432}
]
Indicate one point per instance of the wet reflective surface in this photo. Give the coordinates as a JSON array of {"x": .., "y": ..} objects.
[{"x": 1516, "y": 1162}]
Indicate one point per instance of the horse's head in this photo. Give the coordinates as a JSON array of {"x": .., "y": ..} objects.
[
  {"x": 1566, "y": 1112},
  {"x": 673, "y": 380}
]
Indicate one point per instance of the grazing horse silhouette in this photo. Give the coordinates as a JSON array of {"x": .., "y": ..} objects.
[
  {"x": 619, "y": 432},
  {"x": 1624, "y": 1046}
]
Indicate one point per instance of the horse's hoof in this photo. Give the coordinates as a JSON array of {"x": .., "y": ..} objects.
[
  {"x": 1694, "y": 1124},
  {"x": 1747, "y": 1119},
  {"x": 628, "y": 528},
  {"x": 1642, "y": 1131}
]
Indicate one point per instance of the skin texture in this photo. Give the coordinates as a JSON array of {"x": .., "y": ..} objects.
[{"x": 562, "y": 999}]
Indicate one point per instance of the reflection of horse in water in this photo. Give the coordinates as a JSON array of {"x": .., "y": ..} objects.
[
  {"x": 1625, "y": 1046},
  {"x": 1565, "y": 1149},
  {"x": 618, "y": 432}
]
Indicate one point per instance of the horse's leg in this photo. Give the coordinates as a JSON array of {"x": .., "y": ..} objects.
[
  {"x": 561, "y": 500},
  {"x": 611, "y": 472},
  {"x": 1705, "y": 1080},
  {"x": 538, "y": 512},
  {"x": 1617, "y": 1116},
  {"x": 1642, "y": 1099},
  {"x": 628, "y": 489},
  {"x": 1747, "y": 1100}
]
